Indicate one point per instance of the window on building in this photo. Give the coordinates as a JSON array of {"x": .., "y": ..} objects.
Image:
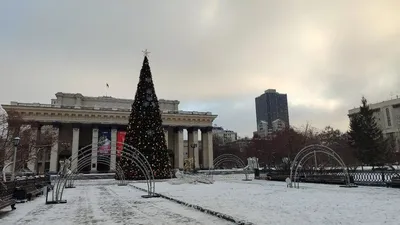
[{"x": 389, "y": 122}]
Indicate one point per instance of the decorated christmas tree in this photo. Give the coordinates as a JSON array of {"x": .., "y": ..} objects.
[{"x": 145, "y": 132}]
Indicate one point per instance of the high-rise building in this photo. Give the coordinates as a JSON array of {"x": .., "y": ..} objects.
[{"x": 271, "y": 106}]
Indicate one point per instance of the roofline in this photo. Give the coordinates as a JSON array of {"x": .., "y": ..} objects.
[
  {"x": 378, "y": 105},
  {"x": 64, "y": 94},
  {"x": 49, "y": 107}
]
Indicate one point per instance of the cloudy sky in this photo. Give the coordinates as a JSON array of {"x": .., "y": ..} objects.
[{"x": 211, "y": 55}]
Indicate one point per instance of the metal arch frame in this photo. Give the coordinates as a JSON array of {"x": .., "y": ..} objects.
[
  {"x": 227, "y": 155},
  {"x": 4, "y": 170},
  {"x": 313, "y": 149},
  {"x": 129, "y": 153},
  {"x": 6, "y": 166},
  {"x": 218, "y": 160},
  {"x": 88, "y": 153},
  {"x": 306, "y": 160},
  {"x": 101, "y": 160},
  {"x": 61, "y": 182},
  {"x": 229, "y": 158},
  {"x": 69, "y": 178},
  {"x": 87, "y": 161},
  {"x": 72, "y": 177},
  {"x": 316, "y": 147},
  {"x": 144, "y": 166},
  {"x": 308, "y": 150},
  {"x": 308, "y": 156}
]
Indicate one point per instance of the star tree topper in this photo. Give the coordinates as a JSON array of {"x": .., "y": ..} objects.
[{"x": 146, "y": 53}]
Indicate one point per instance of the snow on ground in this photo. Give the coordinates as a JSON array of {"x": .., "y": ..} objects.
[
  {"x": 103, "y": 202},
  {"x": 267, "y": 202},
  {"x": 260, "y": 202}
]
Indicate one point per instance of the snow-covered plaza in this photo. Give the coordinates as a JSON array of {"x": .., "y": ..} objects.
[{"x": 257, "y": 202}]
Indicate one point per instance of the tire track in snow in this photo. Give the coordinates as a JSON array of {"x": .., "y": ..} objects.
[
  {"x": 133, "y": 209},
  {"x": 84, "y": 211},
  {"x": 121, "y": 213},
  {"x": 32, "y": 216},
  {"x": 153, "y": 210}
]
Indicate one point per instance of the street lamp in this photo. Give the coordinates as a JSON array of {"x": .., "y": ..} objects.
[
  {"x": 16, "y": 143},
  {"x": 193, "y": 146}
]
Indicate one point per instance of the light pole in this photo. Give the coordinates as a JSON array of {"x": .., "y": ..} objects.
[
  {"x": 193, "y": 146},
  {"x": 16, "y": 143}
]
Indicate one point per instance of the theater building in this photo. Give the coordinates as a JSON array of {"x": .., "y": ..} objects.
[{"x": 80, "y": 121}]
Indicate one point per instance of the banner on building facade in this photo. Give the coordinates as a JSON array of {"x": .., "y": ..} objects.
[
  {"x": 104, "y": 141},
  {"x": 120, "y": 141}
]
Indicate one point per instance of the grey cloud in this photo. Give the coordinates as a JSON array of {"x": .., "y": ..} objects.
[{"x": 360, "y": 67}]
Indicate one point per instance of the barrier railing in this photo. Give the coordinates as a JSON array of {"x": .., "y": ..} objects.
[{"x": 377, "y": 178}]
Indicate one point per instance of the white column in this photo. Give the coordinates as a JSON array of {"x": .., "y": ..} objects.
[
  {"x": 210, "y": 148},
  {"x": 166, "y": 136},
  {"x": 54, "y": 150},
  {"x": 171, "y": 143},
  {"x": 178, "y": 148},
  {"x": 44, "y": 152},
  {"x": 38, "y": 150},
  {"x": 208, "y": 154},
  {"x": 171, "y": 139},
  {"x": 32, "y": 163},
  {"x": 75, "y": 148},
  {"x": 95, "y": 147},
  {"x": 193, "y": 138},
  {"x": 113, "y": 156}
]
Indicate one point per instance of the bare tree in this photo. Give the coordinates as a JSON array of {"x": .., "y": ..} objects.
[
  {"x": 32, "y": 141},
  {"x": 338, "y": 141},
  {"x": 261, "y": 148},
  {"x": 218, "y": 146},
  {"x": 309, "y": 134},
  {"x": 9, "y": 128},
  {"x": 285, "y": 145},
  {"x": 329, "y": 136}
]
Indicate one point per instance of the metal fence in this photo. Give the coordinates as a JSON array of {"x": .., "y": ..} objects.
[{"x": 375, "y": 178}]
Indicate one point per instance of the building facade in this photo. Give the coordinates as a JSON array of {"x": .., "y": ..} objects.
[
  {"x": 225, "y": 136},
  {"x": 80, "y": 121},
  {"x": 271, "y": 106},
  {"x": 387, "y": 116},
  {"x": 278, "y": 125},
  {"x": 262, "y": 129},
  {"x": 264, "y": 132}
]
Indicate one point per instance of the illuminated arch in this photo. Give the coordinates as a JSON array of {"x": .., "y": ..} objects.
[
  {"x": 306, "y": 153},
  {"x": 128, "y": 152},
  {"x": 230, "y": 158}
]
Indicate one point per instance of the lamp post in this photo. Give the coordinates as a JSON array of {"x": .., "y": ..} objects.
[
  {"x": 193, "y": 146},
  {"x": 16, "y": 143}
]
